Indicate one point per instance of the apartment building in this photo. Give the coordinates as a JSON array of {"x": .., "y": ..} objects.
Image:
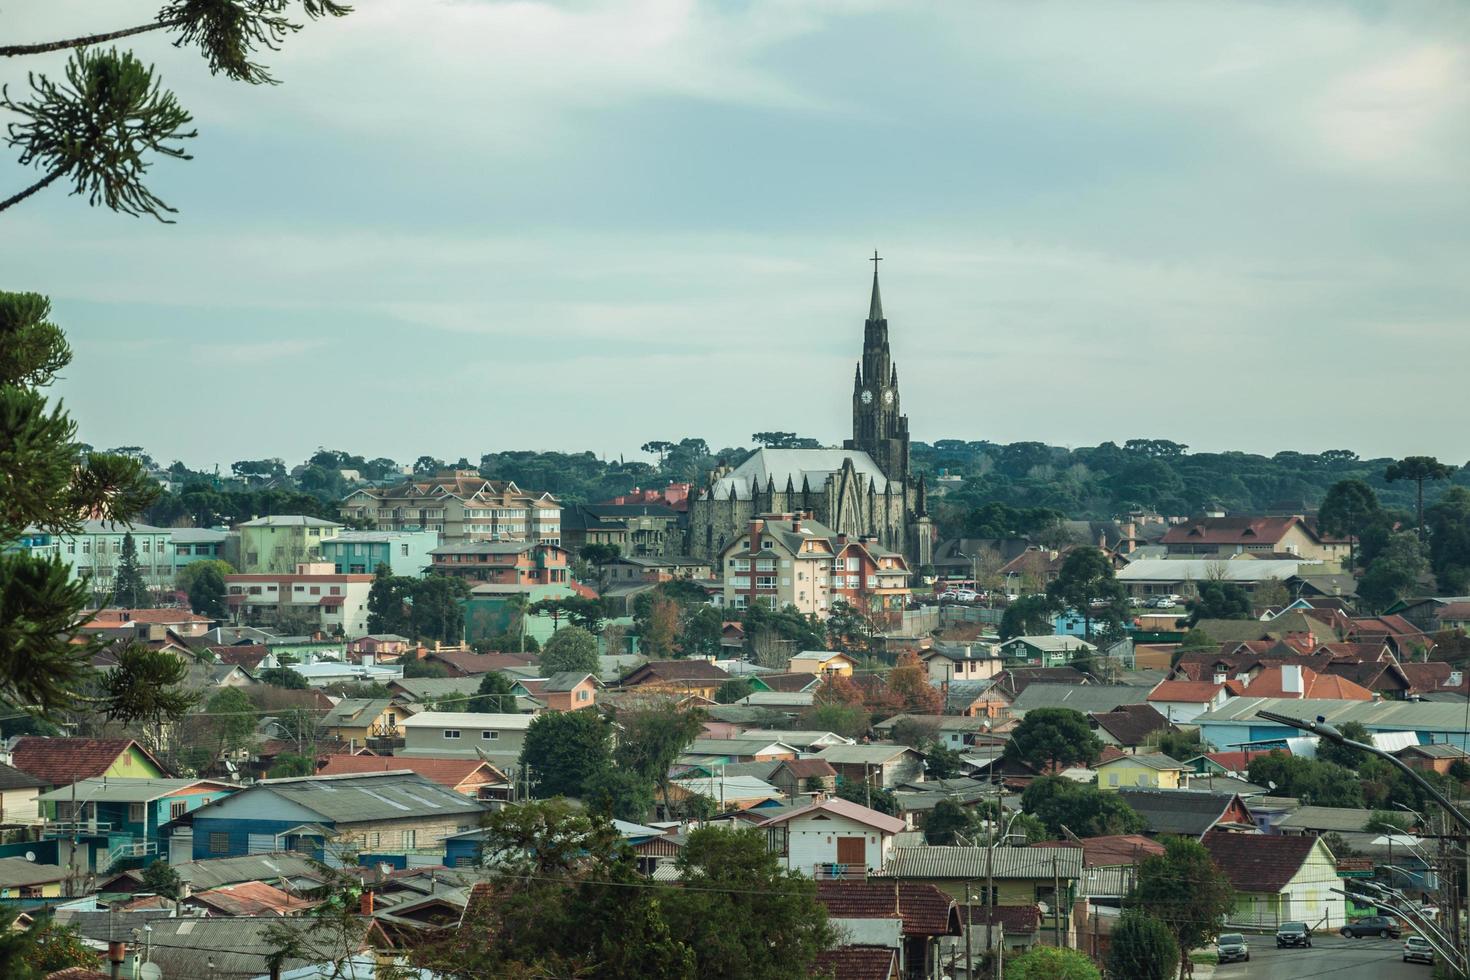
[
  {"x": 278, "y": 543},
  {"x": 513, "y": 563},
  {"x": 93, "y": 552},
  {"x": 311, "y": 595},
  {"x": 790, "y": 560},
  {"x": 462, "y": 506}
]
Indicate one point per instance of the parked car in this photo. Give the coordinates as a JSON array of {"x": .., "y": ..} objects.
[
  {"x": 950, "y": 595},
  {"x": 1161, "y": 602},
  {"x": 1231, "y": 947},
  {"x": 1372, "y": 925},
  {"x": 1418, "y": 950},
  {"x": 1293, "y": 934},
  {"x": 966, "y": 595}
]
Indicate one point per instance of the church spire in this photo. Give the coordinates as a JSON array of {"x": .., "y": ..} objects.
[{"x": 875, "y": 305}]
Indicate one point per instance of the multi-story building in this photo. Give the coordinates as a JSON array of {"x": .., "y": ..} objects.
[
  {"x": 462, "y": 506},
  {"x": 361, "y": 552},
  {"x": 93, "y": 553},
  {"x": 313, "y": 595},
  {"x": 515, "y": 563},
  {"x": 193, "y": 544},
  {"x": 277, "y": 544},
  {"x": 789, "y": 560},
  {"x": 1218, "y": 536}
]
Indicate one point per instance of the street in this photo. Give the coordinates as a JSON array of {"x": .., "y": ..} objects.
[{"x": 1330, "y": 955}]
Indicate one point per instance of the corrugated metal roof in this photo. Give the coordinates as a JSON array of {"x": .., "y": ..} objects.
[
  {"x": 1409, "y": 715},
  {"x": 362, "y": 797},
  {"x": 972, "y": 862}
]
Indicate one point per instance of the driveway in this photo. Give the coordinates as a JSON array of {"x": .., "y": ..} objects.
[{"x": 1330, "y": 956}]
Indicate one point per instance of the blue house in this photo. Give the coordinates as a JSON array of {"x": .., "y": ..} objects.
[
  {"x": 385, "y": 813},
  {"x": 193, "y": 544},
  {"x": 123, "y": 822},
  {"x": 1237, "y": 724},
  {"x": 361, "y": 552}
]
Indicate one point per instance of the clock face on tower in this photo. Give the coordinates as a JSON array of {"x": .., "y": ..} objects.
[
  {"x": 867, "y": 397},
  {"x": 888, "y": 396}
]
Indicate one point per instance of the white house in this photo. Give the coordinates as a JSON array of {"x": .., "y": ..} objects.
[
  {"x": 19, "y": 796},
  {"x": 833, "y": 838},
  {"x": 462, "y": 732},
  {"x": 1184, "y": 701},
  {"x": 1279, "y": 879}
]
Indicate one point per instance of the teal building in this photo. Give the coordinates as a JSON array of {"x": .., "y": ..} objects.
[{"x": 361, "y": 552}]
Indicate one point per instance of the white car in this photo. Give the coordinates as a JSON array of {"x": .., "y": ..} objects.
[{"x": 966, "y": 595}]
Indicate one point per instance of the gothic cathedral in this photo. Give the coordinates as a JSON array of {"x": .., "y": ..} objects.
[{"x": 864, "y": 488}]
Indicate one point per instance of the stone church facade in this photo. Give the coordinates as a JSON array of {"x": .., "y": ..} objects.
[{"x": 863, "y": 489}]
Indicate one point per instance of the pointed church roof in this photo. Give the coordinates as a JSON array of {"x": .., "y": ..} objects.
[
  {"x": 875, "y": 305},
  {"x": 814, "y": 466}
]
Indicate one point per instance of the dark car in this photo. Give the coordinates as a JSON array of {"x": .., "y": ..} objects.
[
  {"x": 1418, "y": 950},
  {"x": 1373, "y": 925},
  {"x": 1231, "y": 947},
  {"x": 1293, "y": 934}
]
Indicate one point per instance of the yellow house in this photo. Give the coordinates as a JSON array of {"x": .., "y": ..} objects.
[
  {"x": 822, "y": 662},
  {"x": 20, "y": 878},
  {"x": 359, "y": 719},
  {"x": 1150, "y": 771}
]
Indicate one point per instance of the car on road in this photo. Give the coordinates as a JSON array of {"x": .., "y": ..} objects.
[
  {"x": 1231, "y": 947},
  {"x": 1163, "y": 602},
  {"x": 1372, "y": 925},
  {"x": 1418, "y": 950},
  {"x": 966, "y": 595},
  {"x": 1293, "y": 934}
]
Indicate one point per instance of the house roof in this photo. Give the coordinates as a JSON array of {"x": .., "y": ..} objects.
[
  {"x": 736, "y": 746},
  {"x": 1015, "y": 920},
  {"x": 1079, "y": 697},
  {"x": 1170, "y": 570},
  {"x": 925, "y": 910},
  {"x": 356, "y": 711},
  {"x": 971, "y": 862},
  {"x": 676, "y": 670},
  {"x": 288, "y": 520},
  {"x": 1111, "y": 851},
  {"x": 1051, "y": 644},
  {"x": 131, "y": 790},
  {"x": 467, "y": 719},
  {"x": 1327, "y": 818},
  {"x": 1153, "y": 760},
  {"x": 798, "y": 466},
  {"x": 566, "y": 680},
  {"x": 1130, "y": 724},
  {"x": 807, "y": 768},
  {"x": 1234, "y": 761},
  {"x": 251, "y": 898},
  {"x": 791, "y": 683},
  {"x": 468, "y": 662},
  {"x": 1243, "y": 530},
  {"x": 856, "y": 963},
  {"x": 449, "y": 772},
  {"x": 17, "y": 871},
  {"x": 1270, "y": 683},
  {"x": 1177, "y": 811},
  {"x": 13, "y": 778},
  {"x": 873, "y": 755},
  {"x": 1185, "y": 692},
  {"x": 1258, "y": 862},
  {"x": 63, "y": 761},
  {"x": 1439, "y": 750},
  {"x": 360, "y": 797},
  {"x": 881, "y": 822}
]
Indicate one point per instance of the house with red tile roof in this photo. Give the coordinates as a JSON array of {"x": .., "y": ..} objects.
[
  {"x": 692, "y": 676},
  {"x": 1295, "y": 681},
  {"x": 1112, "y": 851},
  {"x": 858, "y": 963},
  {"x": 907, "y": 918},
  {"x": 1260, "y": 536},
  {"x": 1227, "y": 763},
  {"x": 63, "y": 761},
  {"x": 249, "y": 898},
  {"x": 181, "y": 621},
  {"x": 1184, "y": 700},
  {"x": 1278, "y": 878}
]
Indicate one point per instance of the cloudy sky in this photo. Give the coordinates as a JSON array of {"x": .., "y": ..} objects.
[{"x": 471, "y": 225}]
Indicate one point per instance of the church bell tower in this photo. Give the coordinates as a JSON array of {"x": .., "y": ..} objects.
[{"x": 878, "y": 427}]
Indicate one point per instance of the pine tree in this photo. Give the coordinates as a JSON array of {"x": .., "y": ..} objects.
[
  {"x": 129, "y": 590},
  {"x": 47, "y": 483}
]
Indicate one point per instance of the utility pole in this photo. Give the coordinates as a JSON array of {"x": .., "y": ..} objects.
[
  {"x": 1056, "y": 892},
  {"x": 990, "y": 897},
  {"x": 969, "y": 949}
]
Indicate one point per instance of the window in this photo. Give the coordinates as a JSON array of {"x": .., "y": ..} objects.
[
  {"x": 739, "y": 564},
  {"x": 463, "y": 861},
  {"x": 316, "y": 590},
  {"x": 451, "y": 733},
  {"x": 489, "y": 736},
  {"x": 583, "y": 695},
  {"x": 765, "y": 565},
  {"x": 410, "y": 838},
  {"x": 136, "y": 812},
  {"x": 177, "y": 810},
  {"x": 219, "y": 843},
  {"x": 768, "y": 545},
  {"x": 335, "y": 590},
  {"x": 403, "y": 550},
  {"x": 1112, "y": 779},
  {"x": 183, "y": 549},
  {"x": 765, "y": 581}
]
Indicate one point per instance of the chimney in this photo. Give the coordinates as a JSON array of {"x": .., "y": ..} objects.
[
  {"x": 1219, "y": 677},
  {"x": 116, "y": 953},
  {"x": 366, "y": 904},
  {"x": 796, "y": 524},
  {"x": 1291, "y": 679}
]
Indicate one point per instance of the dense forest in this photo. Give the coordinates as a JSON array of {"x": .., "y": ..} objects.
[{"x": 1094, "y": 482}]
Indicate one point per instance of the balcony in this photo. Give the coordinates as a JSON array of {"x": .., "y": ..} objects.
[{"x": 828, "y": 871}]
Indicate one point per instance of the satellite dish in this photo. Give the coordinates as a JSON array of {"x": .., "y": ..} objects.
[
  {"x": 150, "y": 971},
  {"x": 31, "y": 856}
]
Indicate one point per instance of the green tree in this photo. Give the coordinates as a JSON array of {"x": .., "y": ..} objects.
[
  {"x": 652, "y": 735},
  {"x": 129, "y": 590},
  {"x": 1030, "y": 615},
  {"x": 1221, "y": 600},
  {"x": 1418, "y": 470},
  {"x": 1449, "y": 541},
  {"x": 289, "y": 765},
  {"x": 942, "y": 762},
  {"x": 232, "y": 718},
  {"x": 1313, "y": 782},
  {"x": 1384, "y": 822},
  {"x": 950, "y": 823},
  {"x": 871, "y": 796},
  {"x": 1143, "y": 948},
  {"x": 160, "y": 878},
  {"x": 749, "y": 919},
  {"x": 733, "y": 690},
  {"x": 1087, "y": 584},
  {"x": 1183, "y": 889},
  {"x": 1346, "y": 511},
  {"x": 388, "y": 602},
  {"x": 1052, "y": 737},
  {"x": 620, "y": 794},
  {"x": 286, "y": 677},
  {"x": 1085, "y": 810},
  {"x": 564, "y": 750},
  {"x": 493, "y": 695},
  {"x": 144, "y": 688},
  {"x": 438, "y": 608},
  {"x": 1394, "y": 573},
  {"x": 701, "y": 631},
  {"x": 1183, "y": 745},
  {"x": 847, "y": 720},
  {"x": 1345, "y": 755},
  {"x": 570, "y": 648},
  {"x": 54, "y": 948},
  {"x": 418, "y": 667},
  {"x": 185, "y": 576},
  {"x": 207, "y": 592},
  {"x": 1051, "y": 963}
]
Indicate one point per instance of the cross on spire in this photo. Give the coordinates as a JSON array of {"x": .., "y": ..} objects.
[{"x": 875, "y": 306}]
